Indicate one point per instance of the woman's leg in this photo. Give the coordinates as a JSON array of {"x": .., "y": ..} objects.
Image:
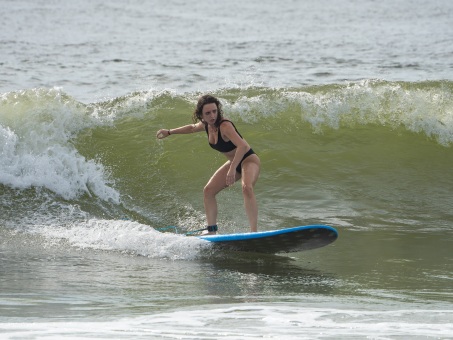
[
  {"x": 216, "y": 184},
  {"x": 250, "y": 174}
]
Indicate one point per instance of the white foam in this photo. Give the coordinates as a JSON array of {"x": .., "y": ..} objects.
[
  {"x": 36, "y": 132},
  {"x": 417, "y": 109},
  {"x": 254, "y": 321},
  {"x": 387, "y": 104},
  {"x": 125, "y": 236}
]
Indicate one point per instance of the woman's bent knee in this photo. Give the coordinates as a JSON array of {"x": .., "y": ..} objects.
[
  {"x": 207, "y": 191},
  {"x": 210, "y": 191},
  {"x": 247, "y": 190}
]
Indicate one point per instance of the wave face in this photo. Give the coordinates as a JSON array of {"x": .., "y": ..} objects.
[{"x": 363, "y": 155}]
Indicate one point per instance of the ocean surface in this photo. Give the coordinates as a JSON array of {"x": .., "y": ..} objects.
[{"x": 349, "y": 105}]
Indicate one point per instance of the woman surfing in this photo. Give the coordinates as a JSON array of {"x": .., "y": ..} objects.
[{"x": 242, "y": 162}]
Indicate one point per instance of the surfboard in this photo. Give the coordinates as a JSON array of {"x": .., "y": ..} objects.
[{"x": 277, "y": 241}]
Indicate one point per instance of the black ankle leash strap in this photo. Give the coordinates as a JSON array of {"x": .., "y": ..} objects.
[{"x": 212, "y": 228}]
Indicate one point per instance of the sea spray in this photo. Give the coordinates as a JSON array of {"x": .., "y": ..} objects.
[{"x": 124, "y": 236}]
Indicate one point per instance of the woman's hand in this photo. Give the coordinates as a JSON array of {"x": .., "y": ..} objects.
[
  {"x": 162, "y": 133},
  {"x": 231, "y": 177}
]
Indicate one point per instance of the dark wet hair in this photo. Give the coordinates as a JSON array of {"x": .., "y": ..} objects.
[{"x": 202, "y": 101}]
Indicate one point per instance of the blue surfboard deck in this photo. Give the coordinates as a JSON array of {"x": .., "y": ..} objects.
[{"x": 277, "y": 241}]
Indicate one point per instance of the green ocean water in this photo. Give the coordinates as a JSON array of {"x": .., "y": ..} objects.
[
  {"x": 323, "y": 138},
  {"x": 85, "y": 185},
  {"x": 363, "y": 155}
]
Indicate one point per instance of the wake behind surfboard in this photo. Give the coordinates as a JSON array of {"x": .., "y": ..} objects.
[{"x": 277, "y": 241}]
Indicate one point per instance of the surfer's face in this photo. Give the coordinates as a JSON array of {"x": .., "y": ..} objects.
[{"x": 210, "y": 113}]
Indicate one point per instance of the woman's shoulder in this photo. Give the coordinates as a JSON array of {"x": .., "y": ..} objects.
[
  {"x": 226, "y": 121},
  {"x": 229, "y": 128}
]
